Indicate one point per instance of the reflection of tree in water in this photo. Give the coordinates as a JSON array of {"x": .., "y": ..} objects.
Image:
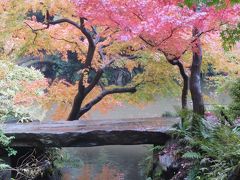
[
  {"x": 106, "y": 173},
  {"x": 124, "y": 159}
]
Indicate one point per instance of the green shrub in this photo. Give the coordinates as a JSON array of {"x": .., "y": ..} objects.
[
  {"x": 5, "y": 145},
  {"x": 214, "y": 149},
  {"x": 234, "y": 107},
  {"x": 11, "y": 77}
]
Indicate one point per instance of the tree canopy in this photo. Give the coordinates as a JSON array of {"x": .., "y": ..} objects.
[{"x": 105, "y": 33}]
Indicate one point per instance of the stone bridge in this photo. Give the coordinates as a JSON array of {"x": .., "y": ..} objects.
[{"x": 85, "y": 133}]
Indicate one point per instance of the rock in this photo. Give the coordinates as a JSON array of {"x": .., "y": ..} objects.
[
  {"x": 166, "y": 161},
  {"x": 90, "y": 133}
]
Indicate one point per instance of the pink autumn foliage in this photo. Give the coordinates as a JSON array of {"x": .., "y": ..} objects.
[{"x": 163, "y": 22}]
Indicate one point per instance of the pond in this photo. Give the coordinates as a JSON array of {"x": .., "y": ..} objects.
[
  {"x": 121, "y": 162},
  {"x": 125, "y": 162}
]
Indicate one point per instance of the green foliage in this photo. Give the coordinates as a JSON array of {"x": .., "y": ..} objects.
[
  {"x": 169, "y": 114},
  {"x": 66, "y": 69},
  {"x": 217, "y": 3},
  {"x": 234, "y": 107},
  {"x": 159, "y": 78},
  {"x": 230, "y": 36},
  {"x": 192, "y": 124},
  {"x": 11, "y": 77},
  {"x": 192, "y": 155},
  {"x": 213, "y": 148},
  {"x": 232, "y": 112},
  {"x": 221, "y": 83},
  {"x": 147, "y": 163},
  {"x": 220, "y": 111},
  {"x": 5, "y": 144},
  {"x": 3, "y": 165},
  {"x": 222, "y": 148},
  {"x": 61, "y": 159}
]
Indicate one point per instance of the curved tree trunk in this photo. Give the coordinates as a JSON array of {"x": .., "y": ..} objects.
[
  {"x": 195, "y": 81},
  {"x": 185, "y": 85},
  {"x": 77, "y": 103},
  {"x": 177, "y": 62}
]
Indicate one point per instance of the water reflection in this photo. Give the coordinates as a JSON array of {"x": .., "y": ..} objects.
[{"x": 125, "y": 161}]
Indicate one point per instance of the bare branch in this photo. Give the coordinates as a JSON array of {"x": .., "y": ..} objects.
[
  {"x": 81, "y": 27},
  {"x": 35, "y": 30},
  {"x": 169, "y": 36},
  {"x": 146, "y": 41},
  {"x": 30, "y": 165},
  {"x": 97, "y": 37},
  {"x": 70, "y": 42},
  {"x": 104, "y": 93},
  {"x": 63, "y": 20},
  {"x": 138, "y": 16}
]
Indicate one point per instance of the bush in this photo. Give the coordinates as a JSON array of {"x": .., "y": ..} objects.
[
  {"x": 12, "y": 78},
  {"x": 214, "y": 150},
  {"x": 234, "y": 107}
]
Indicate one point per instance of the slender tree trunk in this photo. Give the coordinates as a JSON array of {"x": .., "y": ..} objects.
[
  {"x": 185, "y": 92},
  {"x": 185, "y": 85},
  {"x": 195, "y": 80},
  {"x": 185, "y": 78}
]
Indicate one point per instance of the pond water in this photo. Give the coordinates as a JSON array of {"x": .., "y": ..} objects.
[
  {"x": 124, "y": 162},
  {"x": 117, "y": 162},
  {"x": 121, "y": 162}
]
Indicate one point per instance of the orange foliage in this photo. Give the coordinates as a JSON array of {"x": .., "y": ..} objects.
[
  {"x": 61, "y": 93},
  {"x": 31, "y": 91}
]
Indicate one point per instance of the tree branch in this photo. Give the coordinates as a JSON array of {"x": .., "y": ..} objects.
[
  {"x": 86, "y": 33},
  {"x": 81, "y": 27},
  {"x": 177, "y": 62},
  {"x": 63, "y": 20},
  {"x": 70, "y": 42},
  {"x": 146, "y": 41},
  {"x": 196, "y": 37},
  {"x": 94, "y": 82},
  {"x": 101, "y": 53},
  {"x": 168, "y": 37},
  {"x": 104, "y": 93},
  {"x": 97, "y": 78}
]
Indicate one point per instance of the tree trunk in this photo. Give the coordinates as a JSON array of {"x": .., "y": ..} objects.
[
  {"x": 77, "y": 103},
  {"x": 185, "y": 85},
  {"x": 75, "y": 108},
  {"x": 185, "y": 92},
  {"x": 195, "y": 81},
  {"x": 177, "y": 62}
]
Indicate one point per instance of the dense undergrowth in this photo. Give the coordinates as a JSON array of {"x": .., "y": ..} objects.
[
  {"x": 208, "y": 151},
  {"x": 213, "y": 150}
]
